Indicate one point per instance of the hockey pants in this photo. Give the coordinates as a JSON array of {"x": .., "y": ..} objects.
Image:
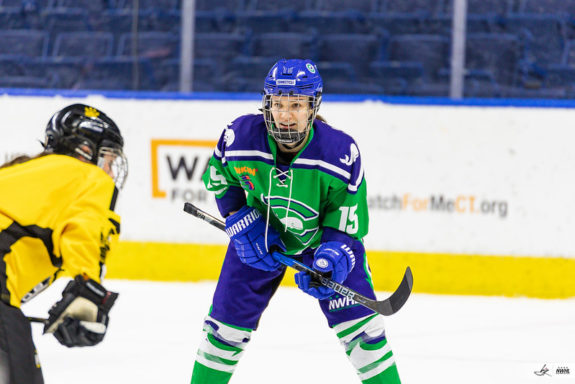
[
  {"x": 18, "y": 360},
  {"x": 243, "y": 293}
]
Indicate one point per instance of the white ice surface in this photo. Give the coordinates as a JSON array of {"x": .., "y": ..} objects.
[{"x": 155, "y": 330}]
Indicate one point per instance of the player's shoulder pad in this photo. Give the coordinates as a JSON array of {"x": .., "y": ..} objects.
[{"x": 335, "y": 146}]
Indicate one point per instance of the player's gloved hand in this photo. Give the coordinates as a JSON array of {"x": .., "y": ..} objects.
[
  {"x": 332, "y": 259},
  {"x": 247, "y": 230},
  {"x": 80, "y": 318}
]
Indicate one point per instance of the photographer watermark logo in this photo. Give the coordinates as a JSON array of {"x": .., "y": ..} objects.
[
  {"x": 562, "y": 370},
  {"x": 543, "y": 371},
  {"x": 554, "y": 370}
]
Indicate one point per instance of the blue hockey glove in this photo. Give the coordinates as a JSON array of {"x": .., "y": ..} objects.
[
  {"x": 247, "y": 230},
  {"x": 332, "y": 259}
]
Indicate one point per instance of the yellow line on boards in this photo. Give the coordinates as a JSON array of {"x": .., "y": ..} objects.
[{"x": 536, "y": 277}]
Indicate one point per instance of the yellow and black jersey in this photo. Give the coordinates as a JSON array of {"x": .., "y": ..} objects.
[{"x": 56, "y": 218}]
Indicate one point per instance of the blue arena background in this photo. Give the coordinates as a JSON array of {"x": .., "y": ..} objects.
[{"x": 514, "y": 49}]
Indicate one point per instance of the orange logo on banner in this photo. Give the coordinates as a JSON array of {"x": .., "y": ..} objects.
[{"x": 156, "y": 144}]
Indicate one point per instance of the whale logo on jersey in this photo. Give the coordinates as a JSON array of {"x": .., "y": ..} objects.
[
  {"x": 300, "y": 220},
  {"x": 229, "y": 136},
  {"x": 353, "y": 155},
  {"x": 292, "y": 223}
]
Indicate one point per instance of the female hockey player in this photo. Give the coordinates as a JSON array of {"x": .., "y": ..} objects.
[
  {"x": 286, "y": 180},
  {"x": 57, "y": 219}
]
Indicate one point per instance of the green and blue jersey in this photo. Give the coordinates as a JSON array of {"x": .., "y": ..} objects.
[{"x": 323, "y": 187}]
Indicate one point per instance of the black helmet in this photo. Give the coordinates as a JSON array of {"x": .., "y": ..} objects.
[{"x": 83, "y": 131}]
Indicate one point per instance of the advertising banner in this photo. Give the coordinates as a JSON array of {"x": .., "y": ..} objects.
[{"x": 471, "y": 180}]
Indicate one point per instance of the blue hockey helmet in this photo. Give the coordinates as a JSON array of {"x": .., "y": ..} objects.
[{"x": 294, "y": 77}]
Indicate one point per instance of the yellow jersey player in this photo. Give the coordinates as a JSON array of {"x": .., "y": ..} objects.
[{"x": 57, "y": 219}]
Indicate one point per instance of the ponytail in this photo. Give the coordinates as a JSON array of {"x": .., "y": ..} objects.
[{"x": 21, "y": 159}]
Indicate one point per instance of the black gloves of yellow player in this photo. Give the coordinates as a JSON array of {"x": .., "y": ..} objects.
[{"x": 80, "y": 318}]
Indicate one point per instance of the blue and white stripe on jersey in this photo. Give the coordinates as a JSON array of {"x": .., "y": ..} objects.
[{"x": 325, "y": 152}]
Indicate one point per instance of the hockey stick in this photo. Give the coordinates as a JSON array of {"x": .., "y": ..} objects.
[{"x": 385, "y": 307}]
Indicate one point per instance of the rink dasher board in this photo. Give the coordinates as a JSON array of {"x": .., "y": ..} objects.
[{"x": 477, "y": 199}]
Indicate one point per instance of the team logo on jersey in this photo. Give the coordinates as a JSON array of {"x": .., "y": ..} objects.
[
  {"x": 244, "y": 174},
  {"x": 247, "y": 182},
  {"x": 353, "y": 155},
  {"x": 296, "y": 216},
  {"x": 229, "y": 136}
]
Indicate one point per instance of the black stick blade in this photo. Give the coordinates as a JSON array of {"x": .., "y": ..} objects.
[{"x": 394, "y": 303}]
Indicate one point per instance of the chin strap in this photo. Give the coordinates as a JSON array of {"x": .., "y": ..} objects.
[
  {"x": 301, "y": 141},
  {"x": 294, "y": 145}
]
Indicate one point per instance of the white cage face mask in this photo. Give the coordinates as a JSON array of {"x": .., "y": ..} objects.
[
  {"x": 289, "y": 117},
  {"x": 114, "y": 163}
]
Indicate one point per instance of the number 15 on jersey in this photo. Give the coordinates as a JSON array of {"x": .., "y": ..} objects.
[{"x": 349, "y": 221}]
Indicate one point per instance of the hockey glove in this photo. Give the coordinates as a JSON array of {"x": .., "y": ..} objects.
[
  {"x": 332, "y": 259},
  {"x": 247, "y": 230},
  {"x": 80, "y": 318}
]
